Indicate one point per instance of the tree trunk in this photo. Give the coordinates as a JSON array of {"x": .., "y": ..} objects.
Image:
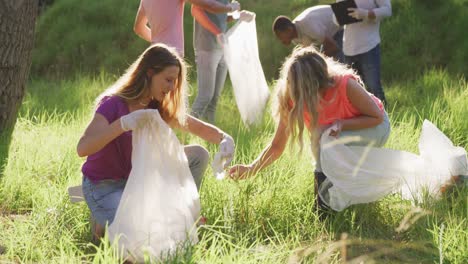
[{"x": 17, "y": 22}]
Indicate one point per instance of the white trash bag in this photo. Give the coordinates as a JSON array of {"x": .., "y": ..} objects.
[
  {"x": 245, "y": 70},
  {"x": 365, "y": 174},
  {"x": 160, "y": 202}
]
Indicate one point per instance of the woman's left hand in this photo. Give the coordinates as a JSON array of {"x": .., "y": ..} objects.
[
  {"x": 240, "y": 172},
  {"x": 336, "y": 128}
]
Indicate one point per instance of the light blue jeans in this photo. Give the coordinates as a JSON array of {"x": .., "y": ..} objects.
[
  {"x": 211, "y": 75},
  {"x": 103, "y": 197},
  {"x": 378, "y": 134}
]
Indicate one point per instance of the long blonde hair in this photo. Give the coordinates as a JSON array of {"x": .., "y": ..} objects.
[
  {"x": 304, "y": 76},
  {"x": 135, "y": 82}
]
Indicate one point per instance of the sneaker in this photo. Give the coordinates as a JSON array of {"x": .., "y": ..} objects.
[{"x": 320, "y": 205}]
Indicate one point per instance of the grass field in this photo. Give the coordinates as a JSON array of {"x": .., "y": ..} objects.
[{"x": 267, "y": 219}]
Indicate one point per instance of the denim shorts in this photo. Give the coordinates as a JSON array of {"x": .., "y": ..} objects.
[{"x": 103, "y": 198}]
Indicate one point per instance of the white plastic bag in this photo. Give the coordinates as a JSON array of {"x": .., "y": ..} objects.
[
  {"x": 245, "y": 70},
  {"x": 365, "y": 174},
  {"x": 160, "y": 202}
]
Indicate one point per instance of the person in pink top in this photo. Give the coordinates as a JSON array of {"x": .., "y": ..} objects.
[
  {"x": 316, "y": 92},
  {"x": 165, "y": 19}
]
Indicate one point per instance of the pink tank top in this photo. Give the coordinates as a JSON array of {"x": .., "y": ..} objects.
[
  {"x": 335, "y": 104},
  {"x": 166, "y": 21}
]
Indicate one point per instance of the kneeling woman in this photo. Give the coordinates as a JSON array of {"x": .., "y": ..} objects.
[
  {"x": 315, "y": 92},
  {"x": 156, "y": 80}
]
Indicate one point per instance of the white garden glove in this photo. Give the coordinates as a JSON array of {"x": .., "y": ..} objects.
[
  {"x": 358, "y": 13},
  {"x": 218, "y": 165},
  {"x": 221, "y": 39},
  {"x": 234, "y": 5},
  {"x": 226, "y": 149},
  {"x": 137, "y": 119},
  {"x": 246, "y": 16}
]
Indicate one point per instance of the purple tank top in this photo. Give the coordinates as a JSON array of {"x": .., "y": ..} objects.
[{"x": 113, "y": 162}]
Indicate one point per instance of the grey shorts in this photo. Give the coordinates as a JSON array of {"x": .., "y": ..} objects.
[{"x": 378, "y": 135}]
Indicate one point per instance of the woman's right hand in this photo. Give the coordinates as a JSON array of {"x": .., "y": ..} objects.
[
  {"x": 234, "y": 6},
  {"x": 240, "y": 171},
  {"x": 336, "y": 128},
  {"x": 136, "y": 119}
]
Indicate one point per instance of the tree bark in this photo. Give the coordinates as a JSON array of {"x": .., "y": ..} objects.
[{"x": 17, "y": 22}]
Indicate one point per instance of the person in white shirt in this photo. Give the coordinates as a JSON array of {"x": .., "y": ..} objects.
[
  {"x": 361, "y": 42},
  {"x": 315, "y": 25}
]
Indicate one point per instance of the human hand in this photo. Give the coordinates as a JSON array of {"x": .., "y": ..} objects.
[
  {"x": 136, "y": 119},
  {"x": 336, "y": 128},
  {"x": 221, "y": 39},
  {"x": 358, "y": 13},
  {"x": 246, "y": 16},
  {"x": 240, "y": 172},
  {"x": 234, "y": 6},
  {"x": 226, "y": 149}
]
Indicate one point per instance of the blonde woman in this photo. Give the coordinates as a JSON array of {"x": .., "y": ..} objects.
[
  {"x": 156, "y": 80},
  {"x": 315, "y": 92}
]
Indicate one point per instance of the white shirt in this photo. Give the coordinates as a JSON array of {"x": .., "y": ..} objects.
[
  {"x": 363, "y": 36},
  {"x": 314, "y": 24}
]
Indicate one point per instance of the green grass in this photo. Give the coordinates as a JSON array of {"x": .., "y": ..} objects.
[
  {"x": 268, "y": 219},
  {"x": 82, "y": 46},
  {"x": 85, "y": 36}
]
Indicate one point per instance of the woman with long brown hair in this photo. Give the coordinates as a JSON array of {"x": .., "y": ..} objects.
[{"x": 156, "y": 80}]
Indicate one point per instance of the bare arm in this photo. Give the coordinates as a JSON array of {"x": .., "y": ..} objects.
[
  {"x": 371, "y": 115},
  {"x": 97, "y": 135},
  {"x": 200, "y": 16},
  {"x": 211, "y": 6},
  {"x": 271, "y": 153},
  {"x": 140, "y": 26},
  {"x": 203, "y": 130}
]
